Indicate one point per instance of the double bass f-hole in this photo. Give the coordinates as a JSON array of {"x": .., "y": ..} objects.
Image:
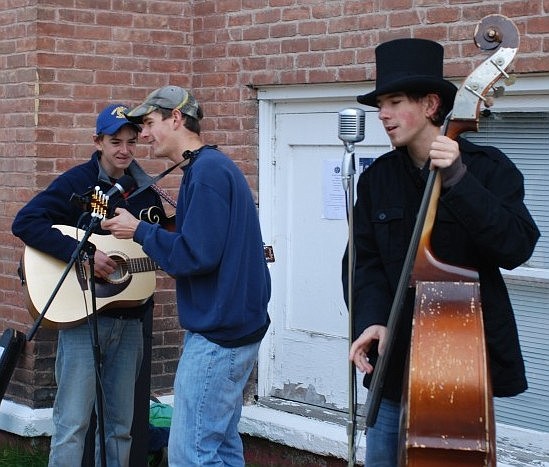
[{"x": 446, "y": 292}]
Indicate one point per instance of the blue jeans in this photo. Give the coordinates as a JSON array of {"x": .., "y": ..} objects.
[
  {"x": 121, "y": 344},
  {"x": 382, "y": 438},
  {"x": 208, "y": 397}
]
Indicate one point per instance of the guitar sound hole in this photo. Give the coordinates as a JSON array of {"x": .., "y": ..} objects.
[{"x": 120, "y": 274}]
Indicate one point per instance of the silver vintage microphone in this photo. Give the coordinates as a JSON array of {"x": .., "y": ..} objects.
[
  {"x": 350, "y": 131},
  {"x": 351, "y": 126}
]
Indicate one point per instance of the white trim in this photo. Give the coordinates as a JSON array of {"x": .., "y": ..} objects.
[
  {"x": 529, "y": 86},
  {"x": 306, "y": 92},
  {"x": 303, "y": 433},
  {"x": 24, "y": 421},
  {"x": 265, "y": 193}
]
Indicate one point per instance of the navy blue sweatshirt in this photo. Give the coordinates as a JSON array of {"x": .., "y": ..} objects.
[{"x": 215, "y": 254}]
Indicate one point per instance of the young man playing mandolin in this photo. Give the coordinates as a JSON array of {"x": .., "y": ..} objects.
[
  {"x": 222, "y": 282},
  {"x": 482, "y": 224},
  {"x": 120, "y": 330}
]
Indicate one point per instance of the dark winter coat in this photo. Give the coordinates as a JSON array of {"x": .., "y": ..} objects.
[{"x": 481, "y": 223}]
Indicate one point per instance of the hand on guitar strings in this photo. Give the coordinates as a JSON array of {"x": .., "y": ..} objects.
[
  {"x": 103, "y": 265},
  {"x": 122, "y": 224},
  {"x": 358, "y": 352}
]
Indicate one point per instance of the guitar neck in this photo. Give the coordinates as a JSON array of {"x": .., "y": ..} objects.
[{"x": 143, "y": 264}]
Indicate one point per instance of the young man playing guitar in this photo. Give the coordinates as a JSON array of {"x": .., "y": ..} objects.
[{"x": 120, "y": 330}]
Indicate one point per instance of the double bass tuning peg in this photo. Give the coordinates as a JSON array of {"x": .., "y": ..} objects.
[
  {"x": 498, "y": 91},
  {"x": 510, "y": 80},
  {"x": 488, "y": 101}
]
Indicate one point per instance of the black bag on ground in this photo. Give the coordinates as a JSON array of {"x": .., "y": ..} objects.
[{"x": 12, "y": 344}]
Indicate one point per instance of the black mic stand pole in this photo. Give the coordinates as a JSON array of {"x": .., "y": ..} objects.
[
  {"x": 89, "y": 249},
  {"x": 348, "y": 171},
  {"x": 97, "y": 359}
]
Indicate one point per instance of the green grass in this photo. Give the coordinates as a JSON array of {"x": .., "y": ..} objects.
[
  {"x": 18, "y": 457},
  {"x": 13, "y": 456}
]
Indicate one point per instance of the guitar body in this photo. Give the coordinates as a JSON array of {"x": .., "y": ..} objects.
[
  {"x": 155, "y": 215},
  {"x": 132, "y": 283}
]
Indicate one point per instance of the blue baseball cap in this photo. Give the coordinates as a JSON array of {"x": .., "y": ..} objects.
[{"x": 111, "y": 119}]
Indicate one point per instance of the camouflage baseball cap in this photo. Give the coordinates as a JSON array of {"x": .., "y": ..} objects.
[{"x": 167, "y": 97}]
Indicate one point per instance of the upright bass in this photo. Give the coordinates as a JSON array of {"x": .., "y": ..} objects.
[{"x": 447, "y": 415}]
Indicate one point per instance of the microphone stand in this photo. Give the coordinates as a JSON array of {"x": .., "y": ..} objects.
[
  {"x": 84, "y": 246},
  {"x": 348, "y": 172},
  {"x": 97, "y": 360}
]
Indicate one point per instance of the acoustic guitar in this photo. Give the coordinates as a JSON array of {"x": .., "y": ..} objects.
[{"x": 131, "y": 284}]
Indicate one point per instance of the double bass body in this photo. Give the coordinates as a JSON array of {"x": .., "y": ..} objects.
[
  {"x": 447, "y": 407},
  {"x": 448, "y": 416}
]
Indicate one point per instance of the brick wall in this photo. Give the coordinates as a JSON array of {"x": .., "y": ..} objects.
[{"x": 61, "y": 61}]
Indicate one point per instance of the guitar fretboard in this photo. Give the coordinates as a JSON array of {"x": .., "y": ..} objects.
[{"x": 141, "y": 265}]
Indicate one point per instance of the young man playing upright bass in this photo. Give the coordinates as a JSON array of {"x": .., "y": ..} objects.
[{"x": 481, "y": 223}]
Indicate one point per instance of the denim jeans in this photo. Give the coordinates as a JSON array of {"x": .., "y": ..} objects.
[
  {"x": 121, "y": 344},
  {"x": 382, "y": 438},
  {"x": 208, "y": 397}
]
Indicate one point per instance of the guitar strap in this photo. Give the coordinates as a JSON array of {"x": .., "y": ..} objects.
[
  {"x": 187, "y": 156},
  {"x": 164, "y": 194},
  {"x": 152, "y": 183}
]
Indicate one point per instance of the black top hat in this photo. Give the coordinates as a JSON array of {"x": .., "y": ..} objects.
[{"x": 409, "y": 65}]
